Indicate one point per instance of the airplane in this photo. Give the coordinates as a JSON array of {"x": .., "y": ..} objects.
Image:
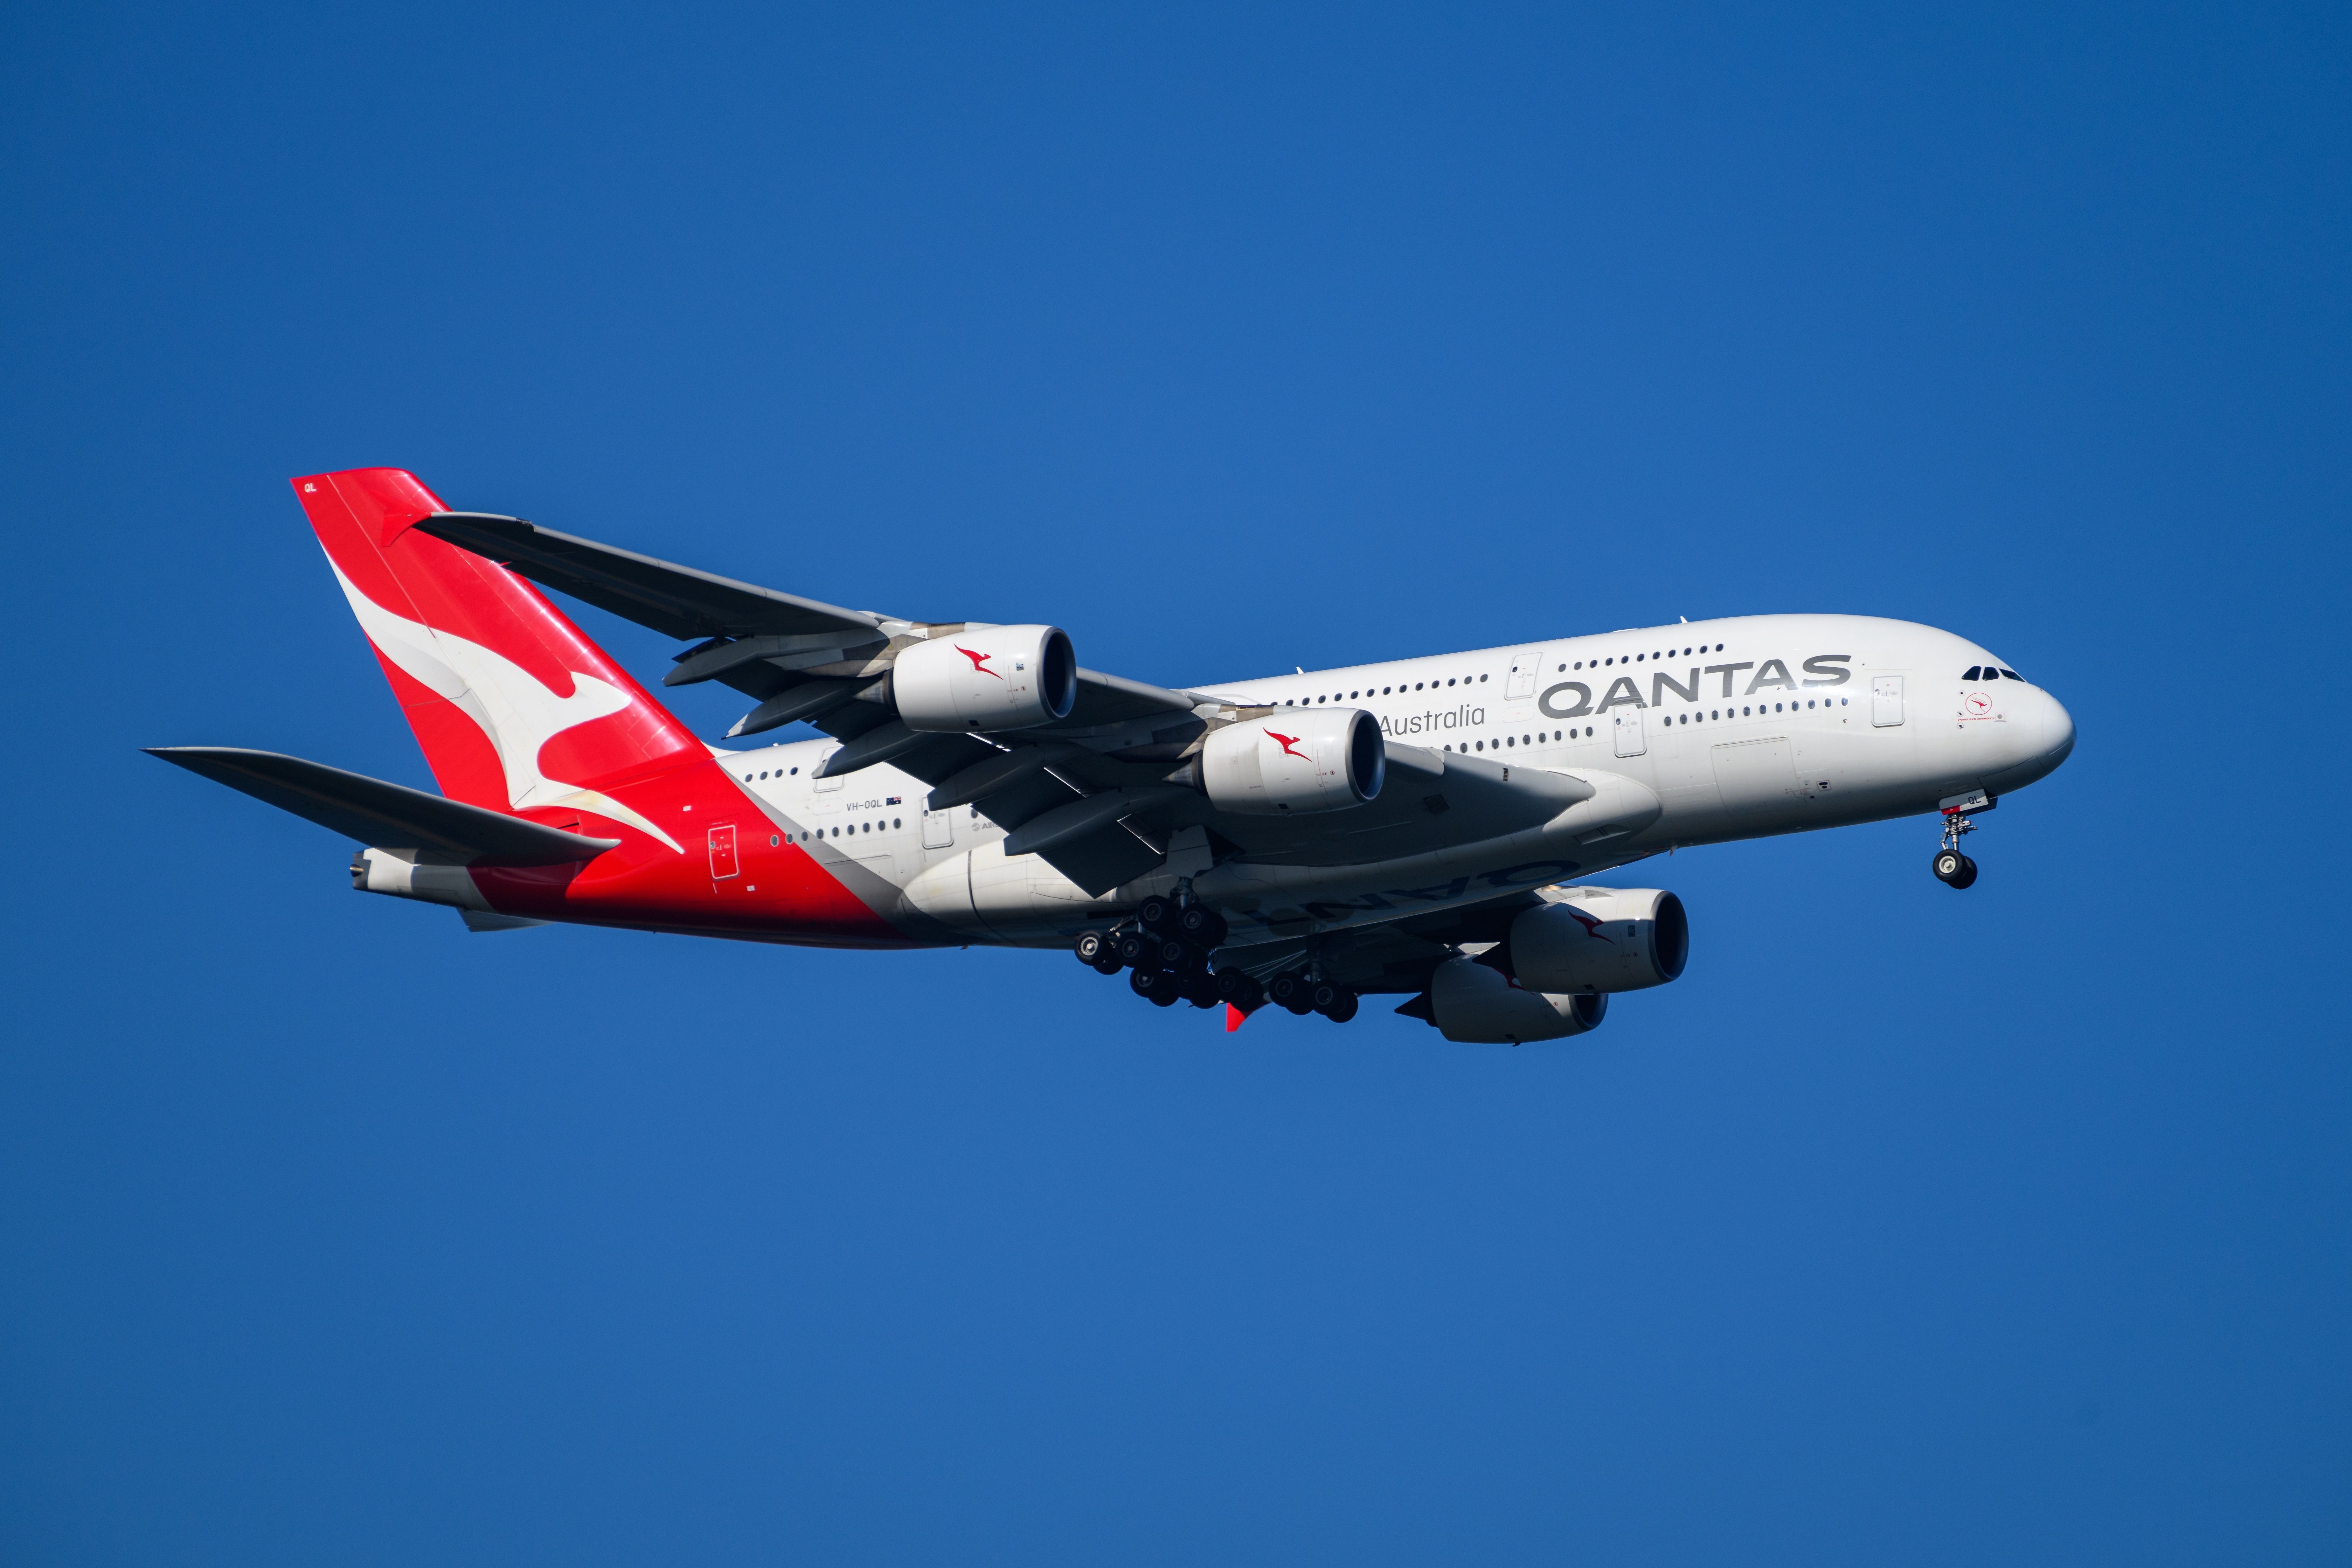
[{"x": 1425, "y": 829}]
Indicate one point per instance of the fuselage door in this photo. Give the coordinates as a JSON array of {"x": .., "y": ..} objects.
[
  {"x": 1627, "y": 726},
  {"x": 722, "y": 850},
  {"x": 1525, "y": 665},
  {"x": 1886, "y": 701},
  {"x": 939, "y": 830}
]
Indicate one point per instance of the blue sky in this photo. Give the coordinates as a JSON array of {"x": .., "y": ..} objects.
[{"x": 1908, "y": 1226}]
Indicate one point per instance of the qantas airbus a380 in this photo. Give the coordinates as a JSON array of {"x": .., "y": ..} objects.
[{"x": 1425, "y": 829}]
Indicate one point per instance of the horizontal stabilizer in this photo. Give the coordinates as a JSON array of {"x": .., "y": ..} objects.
[
  {"x": 483, "y": 921},
  {"x": 383, "y": 815}
]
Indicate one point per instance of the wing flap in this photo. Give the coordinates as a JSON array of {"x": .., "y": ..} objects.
[{"x": 1103, "y": 859}]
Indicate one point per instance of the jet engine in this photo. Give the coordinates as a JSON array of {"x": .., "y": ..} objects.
[
  {"x": 986, "y": 677},
  {"x": 1475, "y": 1005},
  {"x": 1599, "y": 940},
  {"x": 1302, "y": 760}
]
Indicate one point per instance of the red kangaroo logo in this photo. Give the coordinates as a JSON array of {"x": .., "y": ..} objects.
[
  {"x": 1289, "y": 745},
  {"x": 1591, "y": 927},
  {"x": 979, "y": 660}
]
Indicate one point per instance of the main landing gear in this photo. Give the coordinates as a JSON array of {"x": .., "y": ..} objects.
[
  {"x": 1302, "y": 992},
  {"x": 1166, "y": 952}
]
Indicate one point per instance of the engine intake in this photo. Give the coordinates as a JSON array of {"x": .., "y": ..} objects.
[
  {"x": 1599, "y": 940},
  {"x": 986, "y": 677},
  {"x": 1306, "y": 760},
  {"x": 1475, "y": 1005}
]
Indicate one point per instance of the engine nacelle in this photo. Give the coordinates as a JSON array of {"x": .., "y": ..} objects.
[
  {"x": 1477, "y": 1006},
  {"x": 1309, "y": 759},
  {"x": 986, "y": 677},
  {"x": 1599, "y": 940}
]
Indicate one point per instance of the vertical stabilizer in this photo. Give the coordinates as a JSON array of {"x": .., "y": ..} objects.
[{"x": 514, "y": 708}]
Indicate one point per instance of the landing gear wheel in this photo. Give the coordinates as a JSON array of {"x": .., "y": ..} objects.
[
  {"x": 1341, "y": 1009},
  {"x": 1092, "y": 947},
  {"x": 1238, "y": 988},
  {"x": 1108, "y": 963},
  {"x": 1154, "y": 984},
  {"x": 1157, "y": 914},
  {"x": 1953, "y": 868},
  {"x": 1289, "y": 991},
  {"x": 1202, "y": 926},
  {"x": 1202, "y": 992},
  {"x": 1135, "y": 948},
  {"x": 1323, "y": 996}
]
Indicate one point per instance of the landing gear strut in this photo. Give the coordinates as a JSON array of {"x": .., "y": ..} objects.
[
  {"x": 1166, "y": 950},
  {"x": 1953, "y": 868}
]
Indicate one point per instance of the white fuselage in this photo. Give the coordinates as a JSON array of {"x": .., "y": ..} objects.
[{"x": 1690, "y": 735}]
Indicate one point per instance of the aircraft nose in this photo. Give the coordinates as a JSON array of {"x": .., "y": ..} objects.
[{"x": 2057, "y": 731}]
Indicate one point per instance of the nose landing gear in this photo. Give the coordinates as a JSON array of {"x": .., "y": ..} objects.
[{"x": 1953, "y": 868}]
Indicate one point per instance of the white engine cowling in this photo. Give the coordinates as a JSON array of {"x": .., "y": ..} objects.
[
  {"x": 986, "y": 677},
  {"x": 1599, "y": 940},
  {"x": 1315, "y": 759},
  {"x": 1477, "y": 1006}
]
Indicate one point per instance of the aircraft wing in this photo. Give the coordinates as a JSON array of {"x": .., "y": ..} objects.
[
  {"x": 678, "y": 600},
  {"x": 757, "y": 640},
  {"x": 1093, "y": 794},
  {"x": 1394, "y": 956}
]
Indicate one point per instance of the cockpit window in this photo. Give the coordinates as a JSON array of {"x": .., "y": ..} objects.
[
  {"x": 1973, "y": 673},
  {"x": 2012, "y": 675}
]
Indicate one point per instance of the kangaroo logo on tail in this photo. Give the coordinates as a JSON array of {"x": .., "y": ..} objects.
[{"x": 518, "y": 715}]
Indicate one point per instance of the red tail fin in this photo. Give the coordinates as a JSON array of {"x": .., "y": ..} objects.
[{"x": 514, "y": 708}]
